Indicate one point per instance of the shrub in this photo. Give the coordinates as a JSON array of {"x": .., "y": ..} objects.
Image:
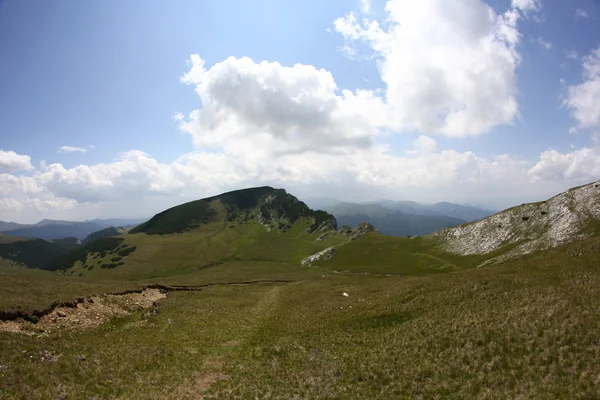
[
  {"x": 127, "y": 251},
  {"x": 525, "y": 218}
]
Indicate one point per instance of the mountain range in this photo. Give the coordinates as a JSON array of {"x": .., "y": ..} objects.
[
  {"x": 49, "y": 229},
  {"x": 406, "y": 218},
  {"x": 267, "y": 224}
]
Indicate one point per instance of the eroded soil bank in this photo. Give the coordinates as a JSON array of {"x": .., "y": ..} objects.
[
  {"x": 92, "y": 311},
  {"x": 88, "y": 313}
]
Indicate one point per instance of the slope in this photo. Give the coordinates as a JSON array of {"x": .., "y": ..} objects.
[
  {"x": 251, "y": 226},
  {"x": 566, "y": 217},
  {"x": 34, "y": 253}
]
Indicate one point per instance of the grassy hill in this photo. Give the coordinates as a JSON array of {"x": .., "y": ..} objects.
[{"x": 35, "y": 253}]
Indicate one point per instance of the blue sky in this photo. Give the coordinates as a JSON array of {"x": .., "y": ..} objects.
[{"x": 106, "y": 77}]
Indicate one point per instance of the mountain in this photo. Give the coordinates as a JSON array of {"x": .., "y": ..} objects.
[
  {"x": 126, "y": 222},
  {"x": 35, "y": 253},
  {"x": 466, "y": 212},
  {"x": 389, "y": 220},
  {"x": 68, "y": 243},
  {"x": 8, "y": 226},
  {"x": 104, "y": 233},
  {"x": 50, "y": 229},
  {"x": 568, "y": 217},
  {"x": 273, "y": 208}
]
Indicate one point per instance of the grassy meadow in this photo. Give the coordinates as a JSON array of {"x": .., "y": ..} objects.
[{"x": 526, "y": 329}]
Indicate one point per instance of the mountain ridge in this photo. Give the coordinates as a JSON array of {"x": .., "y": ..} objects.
[{"x": 564, "y": 218}]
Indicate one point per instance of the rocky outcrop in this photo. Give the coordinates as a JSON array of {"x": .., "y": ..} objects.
[
  {"x": 361, "y": 230},
  {"x": 279, "y": 210},
  {"x": 565, "y": 218},
  {"x": 322, "y": 255}
]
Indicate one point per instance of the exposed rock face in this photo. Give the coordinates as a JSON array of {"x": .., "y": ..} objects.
[
  {"x": 322, "y": 222},
  {"x": 324, "y": 255},
  {"x": 562, "y": 219},
  {"x": 360, "y": 230},
  {"x": 280, "y": 210}
]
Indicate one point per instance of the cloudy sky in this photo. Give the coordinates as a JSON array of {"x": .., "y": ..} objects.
[{"x": 124, "y": 108}]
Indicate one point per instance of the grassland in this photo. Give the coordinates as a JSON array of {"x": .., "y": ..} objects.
[
  {"x": 524, "y": 329},
  {"x": 206, "y": 247},
  {"x": 30, "y": 289}
]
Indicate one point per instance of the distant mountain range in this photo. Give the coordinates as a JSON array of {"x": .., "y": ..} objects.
[
  {"x": 49, "y": 229},
  {"x": 404, "y": 218}
]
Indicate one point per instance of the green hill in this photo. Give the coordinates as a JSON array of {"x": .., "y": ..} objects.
[
  {"x": 32, "y": 252},
  {"x": 104, "y": 233},
  {"x": 274, "y": 208}
]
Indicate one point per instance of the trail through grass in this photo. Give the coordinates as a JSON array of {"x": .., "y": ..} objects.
[{"x": 524, "y": 329}]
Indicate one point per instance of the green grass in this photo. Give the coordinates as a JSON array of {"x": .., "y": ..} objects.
[
  {"x": 524, "y": 329},
  {"x": 33, "y": 289},
  {"x": 378, "y": 253},
  {"x": 161, "y": 256}
]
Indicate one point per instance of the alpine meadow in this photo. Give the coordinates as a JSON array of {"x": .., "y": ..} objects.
[{"x": 376, "y": 199}]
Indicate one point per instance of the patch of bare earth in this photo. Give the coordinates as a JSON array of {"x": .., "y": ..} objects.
[
  {"x": 93, "y": 311},
  {"x": 197, "y": 386}
]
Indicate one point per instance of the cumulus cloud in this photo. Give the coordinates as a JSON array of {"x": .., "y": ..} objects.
[
  {"x": 449, "y": 65},
  {"x": 365, "y": 6},
  {"x": 583, "y": 99},
  {"x": 11, "y": 161},
  {"x": 264, "y": 110},
  {"x": 526, "y": 5},
  {"x": 581, "y": 165},
  {"x": 71, "y": 149}
]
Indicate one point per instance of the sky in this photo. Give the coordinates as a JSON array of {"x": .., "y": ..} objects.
[{"x": 125, "y": 108}]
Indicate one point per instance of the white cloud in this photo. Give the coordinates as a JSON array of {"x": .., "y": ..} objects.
[
  {"x": 581, "y": 165},
  {"x": 178, "y": 116},
  {"x": 581, "y": 14},
  {"x": 365, "y": 6},
  {"x": 424, "y": 145},
  {"x": 544, "y": 43},
  {"x": 526, "y": 5},
  {"x": 449, "y": 65},
  {"x": 11, "y": 161},
  {"x": 572, "y": 55},
  {"x": 258, "y": 111},
  {"x": 584, "y": 99},
  {"x": 71, "y": 149}
]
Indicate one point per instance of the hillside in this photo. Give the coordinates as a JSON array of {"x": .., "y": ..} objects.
[
  {"x": 35, "y": 253},
  {"x": 565, "y": 218},
  {"x": 273, "y": 208},
  {"x": 104, "y": 233}
]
